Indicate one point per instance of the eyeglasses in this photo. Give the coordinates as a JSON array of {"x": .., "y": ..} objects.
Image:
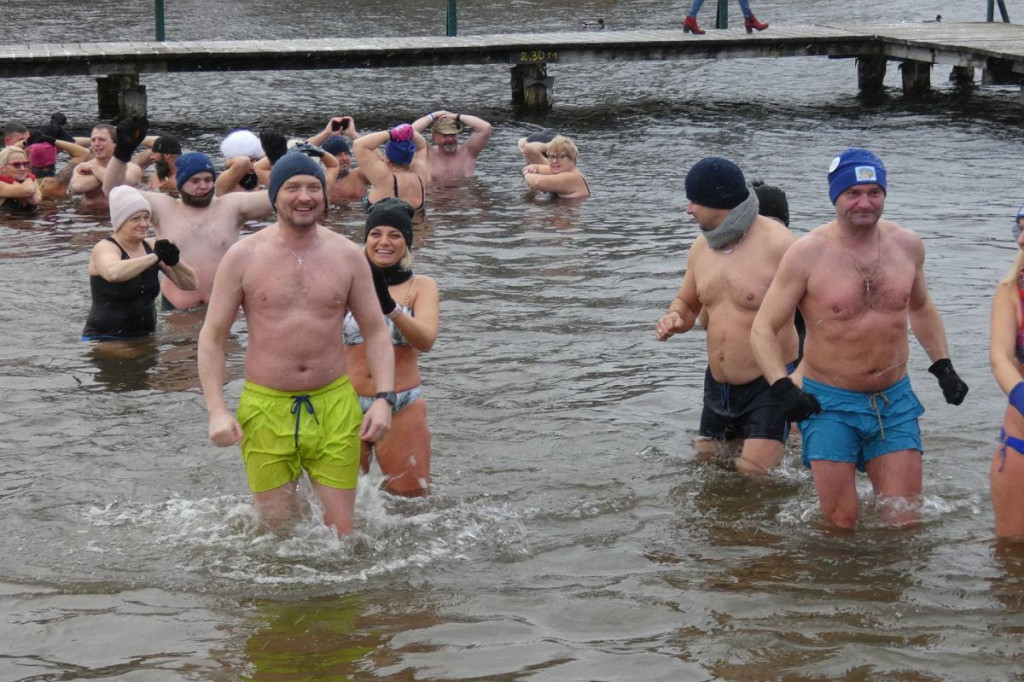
[
  {"x": 558, "y": 157},
  {"x": 18, "y": 164}
]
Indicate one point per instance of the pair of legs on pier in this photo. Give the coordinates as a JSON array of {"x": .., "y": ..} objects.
[{"x": 750, "y": 22}]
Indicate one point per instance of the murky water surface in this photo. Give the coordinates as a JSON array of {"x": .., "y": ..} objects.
[{"x": 572, "y": 535}]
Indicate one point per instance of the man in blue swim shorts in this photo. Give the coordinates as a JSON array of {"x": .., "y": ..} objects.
[
  {"x": 858, "y": 280},
  {"x": 295, "y": 281}
]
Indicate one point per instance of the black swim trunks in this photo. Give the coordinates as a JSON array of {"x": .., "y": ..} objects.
[{"x": 741, "y": 411}]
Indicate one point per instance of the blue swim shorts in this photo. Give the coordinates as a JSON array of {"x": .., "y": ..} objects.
[{"x": 857, "y": 427}]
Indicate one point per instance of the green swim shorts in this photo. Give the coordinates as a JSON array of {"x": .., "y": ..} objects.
[{"x": 288, "y": 431}]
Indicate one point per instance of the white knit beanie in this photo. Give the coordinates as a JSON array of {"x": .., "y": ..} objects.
[{"x": 125, "y": 202}]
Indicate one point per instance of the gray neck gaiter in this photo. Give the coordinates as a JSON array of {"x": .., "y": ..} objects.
[{"x": 735, "y": 224}]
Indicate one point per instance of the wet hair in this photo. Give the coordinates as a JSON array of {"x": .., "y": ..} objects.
[
  {"x": 563, "y": 145},
  {"x": 111, "y": 130}
]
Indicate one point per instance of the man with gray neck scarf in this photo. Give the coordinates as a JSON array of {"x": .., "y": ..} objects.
[{"x": 729, "y": 267}]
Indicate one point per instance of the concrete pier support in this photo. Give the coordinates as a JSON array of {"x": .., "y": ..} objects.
[
  {"x": 121, "y": 95},
  {"x": 532, "y": 87},
  {"x": 1000, "y": 72},
  {"x": 962, "y": 77},
  {"x": 917, "y": 78},
  {"x": 871, "y": 73}
]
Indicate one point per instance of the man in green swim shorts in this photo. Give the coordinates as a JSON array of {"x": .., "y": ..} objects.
[{"x": 295, "y": 281}]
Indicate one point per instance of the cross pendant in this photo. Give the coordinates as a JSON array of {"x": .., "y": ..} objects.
[{"x": 867, "y": 286}]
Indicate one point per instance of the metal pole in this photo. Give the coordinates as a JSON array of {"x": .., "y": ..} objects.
[
  {"x": 159, "y": 11},
  {"x": 451, "y": 24},
  {"x": 722, "y": 18},
  {"x": 991, "y": 11},
  {"x": 1002, "y": 11}
]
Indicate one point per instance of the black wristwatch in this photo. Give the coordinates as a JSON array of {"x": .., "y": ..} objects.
[{"x": 389, "y": 396}]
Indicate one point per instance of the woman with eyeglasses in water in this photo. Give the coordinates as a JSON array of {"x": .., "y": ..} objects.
[
  {"x": 1006, "y": 355},
  {"x": 551, "y": 167},
  {"x": 18, "y": 190}
]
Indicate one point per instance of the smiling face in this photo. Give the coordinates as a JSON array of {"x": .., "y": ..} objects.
[
  {"x": 102, "y": 143},
  {"x": 385, "y": 246},
  {"x": 16, "y": 166},
  {"x": 135, "y": 228},
  {"x": 300, "y": 201}
]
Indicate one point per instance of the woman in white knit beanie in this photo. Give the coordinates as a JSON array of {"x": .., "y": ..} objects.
[{"x": 123, "y": 271}]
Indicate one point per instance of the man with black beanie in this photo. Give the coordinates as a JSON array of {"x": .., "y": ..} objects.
[{"x": 729, "y": 267}]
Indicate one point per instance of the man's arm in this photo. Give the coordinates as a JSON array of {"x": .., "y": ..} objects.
[
  {"x": 684, "y": 308},
  {"x": 114, "y": 175},
  {"x": 236, "y": 169},
  {"x": 346, "y": 126},
  {"x": 86, "y": 178},
  {"x": 925, "y": 320},
  {"x": 481, "y": 133},
  {"x": 926, "y": 324},
  {"x": 225, "y": 299},
  {"x": 250, "y": 205},
  {"x": 777, "y": 310},
  {"x": 77, "y": 152}
]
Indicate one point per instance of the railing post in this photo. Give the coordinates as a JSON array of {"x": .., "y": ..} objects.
[
  {"x": 722, "y": 18},
  {"x": 451, "y": 24},
  {"x": 159, "y": 11},
  {"x": 1002, "y": 11}
]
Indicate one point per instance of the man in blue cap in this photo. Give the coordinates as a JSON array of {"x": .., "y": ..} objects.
[
  {"x": 728, "y": 269},
  {"x": 296, "y": 280},
  {"x": 859, "y": 281},
  {"x": 203, "y": 226}
]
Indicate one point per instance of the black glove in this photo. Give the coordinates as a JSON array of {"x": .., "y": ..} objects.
[
  {"x": 249, "y": 181},
  {"x": 795, "y": 404},
  {"x": 167, "y": 252},
  {"x": 309, "y": 150},
  {"x": 37, "y": 136},
  {"x": 274, "y": 144},
  {"x": 953, "y": 387},
  {"x": 57, "y": 132},
  {"x": 130, "y": 134},
  {"x": 380, "y": 284}
]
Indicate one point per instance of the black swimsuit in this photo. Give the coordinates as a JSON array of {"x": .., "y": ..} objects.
[
  {"x": 367, "y": 204},
  {"x": 122, "y": 309}
]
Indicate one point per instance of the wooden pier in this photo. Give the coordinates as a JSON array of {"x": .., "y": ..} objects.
[{"x": 997, "y": 49}]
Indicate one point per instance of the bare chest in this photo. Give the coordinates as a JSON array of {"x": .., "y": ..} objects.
[
  {"x": 734, "y": 279},
  {"x": 845, "y": 293}
]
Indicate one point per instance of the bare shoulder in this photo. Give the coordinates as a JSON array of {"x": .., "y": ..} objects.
[
  {"x": 158, "y": 201},
  {"x": 901, "y": 236}
]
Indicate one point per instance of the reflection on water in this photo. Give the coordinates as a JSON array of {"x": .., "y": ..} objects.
[{"x": 572, "y": 535}]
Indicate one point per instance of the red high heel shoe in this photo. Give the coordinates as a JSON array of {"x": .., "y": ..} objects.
[
  {"x": 751, "y": 24},
  {"x": 690, "y": 26}
]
